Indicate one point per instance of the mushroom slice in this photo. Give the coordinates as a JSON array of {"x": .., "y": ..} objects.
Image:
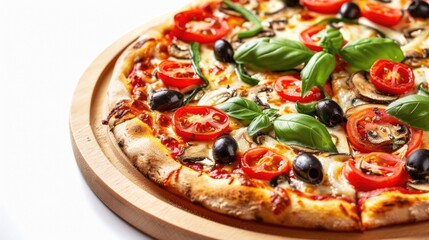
[
  {"x": 179, "y": 50},
  {"x": 419, "y": 185},
  {"x": 278, "y": 24},
  {"x": 339, "y": 157},
  {"x": 272, "y": 7},
  {"x": 367, "y": 91},
  {"x": 243, "y": 139},
  {"x": 216, "y": 97},
  {"x": 197, "y": 152},
  {"x": 355, "y": 109},
  {"x": 416, "y": 59}
]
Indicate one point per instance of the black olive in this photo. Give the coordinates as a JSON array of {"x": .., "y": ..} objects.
[
  {"x": 419, "y": 8},
  {"x": 291, "y": 3},
  {"x": 308, "y": 168},
  {"x": 224, "y": 149},
  {"x": 329, "y": 112},
  {"x": 166, "y": 100},
  {"x": 418, "y": 164},
  {"x": 350, "y": 10},
  {"x": 223, "y": 51}
]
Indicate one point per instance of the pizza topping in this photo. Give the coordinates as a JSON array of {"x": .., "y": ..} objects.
[
  {"x": 224, "y": 149},
  {"x": 350, "y": 10},
  {"x": 223, "y": 51},
  {"x": 252, "y": 5},
  {"x": 215, "y": 97},
  {"x": 413, "y": 110},
  {"x": 329, "y": 112},
  {"x": 308, "y": 168},
  {"x": 179, "y": 51},
  {"x": 178, "y": 74},
  {"x": 289, "y": 88},
  {"x": 200, "y": 123},
  {"x": 166, "y": 100},
  {"x": 324, "y": 6},
  {"x": 264, "y": 163},
  {"x": 419, "y": 9},
  {"x": 418, "y": 185},
  {"x": 372, "y": 129},
  {"x": 375, "y": 170},
  {"x": 392, "y": 77},
  {"x": 196, "y": 153},
  {"x": 256, "y": 23},
  {"x": 417, "y": 164},
  {"x": 199, "y": 25},
  {"x": 367, "y": 91},
  {"x": 381, "y": 13}
]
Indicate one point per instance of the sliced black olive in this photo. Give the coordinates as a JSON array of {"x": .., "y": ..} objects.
[
  {"x": 291, "y": 3},
  {"x": 308, "y": 168},
  {"x": 419, "y": 8},
  {"x": 223, "y": 51},
  {"x": 350, "y": 10},
  {"x": 224, "y": 149},
  {"x": 166, "y": 100},
  {"x": 418, "y": 164},
  {"x": 329, "y": 112}
]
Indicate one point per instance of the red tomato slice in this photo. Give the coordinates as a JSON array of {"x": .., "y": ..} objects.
[
  {"x": 375, "y": 170},
  {"x": 200, "y": 123},
  {"x": 324, "y": 6},
  {"x": 391, "y": 77},
  {"x": 312, "y": 36},
  {"x": 289, "y": 88},
  {"x": 381, "y": 13},
  {"x": 198, "y": 25},
  {"x": 178, "y": 74},
  {"x": 373, "y": 130},
  {"x": 263, "y": 163}
]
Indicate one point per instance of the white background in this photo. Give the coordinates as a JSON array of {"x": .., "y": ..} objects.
[{"x": 45, "y": 46}]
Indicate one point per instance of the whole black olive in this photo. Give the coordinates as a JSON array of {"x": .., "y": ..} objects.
[
  {"x": 329, "y": 112},
  {"x": 224, "y": 149},
  {"x": 166, "y": 100},
  {"x": 419, "y": 8},
  {"x": 418, "y": 164},
  {"x": 291, "y": 3},
  {"x": 308, "y": 168},
  {"x": 350, "y": 10},
  {"x": 223, "y": 51}
]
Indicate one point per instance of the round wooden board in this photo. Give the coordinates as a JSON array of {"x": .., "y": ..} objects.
[{"x": 147, "y": 206}]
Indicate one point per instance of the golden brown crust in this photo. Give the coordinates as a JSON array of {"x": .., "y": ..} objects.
[{"x": 278, "y": 206}]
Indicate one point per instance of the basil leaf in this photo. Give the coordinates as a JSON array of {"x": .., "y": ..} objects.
[
  {"x": 423, "y": 89},
  {"x": 316, "y": 72},
  {"x": 240, "y": 108},
  {"x": 303, "y": 130},
  {"x": 412, "y": 110},
  {"x": 272, "y": 54},
  {"x": 362, "y": 53},
  {"x": 257, "y": 25},
  {"x": 332, "y": 40},
  {"x": 245, "y": 77},
  {"x": 260, "y": 124},
  {"x": 306, "y": 108}
]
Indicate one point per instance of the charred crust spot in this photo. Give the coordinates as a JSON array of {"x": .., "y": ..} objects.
[
  {"x": 138, "y": 129},
  {"x": 121, "y": 143},
  {"x": 259, "y": 219}
]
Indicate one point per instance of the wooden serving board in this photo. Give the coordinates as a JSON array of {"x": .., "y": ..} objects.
[{"x": 147, "y": 206}]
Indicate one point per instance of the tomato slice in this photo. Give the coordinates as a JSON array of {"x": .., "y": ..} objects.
[
  {"x": 375, "y": 170},
  {"x": 289, "y": 88},
  {"x": 198, "y": 25},
  {"x": 324, "y": 6},
  {"x": 381, "y": 13},
  {"x": 263, "y": 163},
  {"x": 391, "y": 77},
  {"x": 373, "y": 130},
  {"x": 200, "y": 123},
  {"x": 178, "y": 74},
  {"x": 312, "y": 36}
]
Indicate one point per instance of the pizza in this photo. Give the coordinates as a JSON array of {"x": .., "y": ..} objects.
[{"x": 308, "y": 114}]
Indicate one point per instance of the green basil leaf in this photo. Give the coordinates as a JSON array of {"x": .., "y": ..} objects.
[
  {"x": 260, "y": 124},
  {"x": 361, "y": 54},
  {"x": 240, "y": 108},
  {"x": 412, "y": 110},
  {"x": 257, "y": 24},
  {"x": 316, "y": 72},
  {"x": 303, "y": 130},
  {"x": 306, "y": 108},
  {"x": 245, "y": 77},
  {"x": 332, "y": 40},
  {"x": 423, "y": 89},
  {"x": 272, "y": 54}
]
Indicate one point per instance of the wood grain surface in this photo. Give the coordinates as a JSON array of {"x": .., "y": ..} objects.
[{"x": 147, "y": 206}]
